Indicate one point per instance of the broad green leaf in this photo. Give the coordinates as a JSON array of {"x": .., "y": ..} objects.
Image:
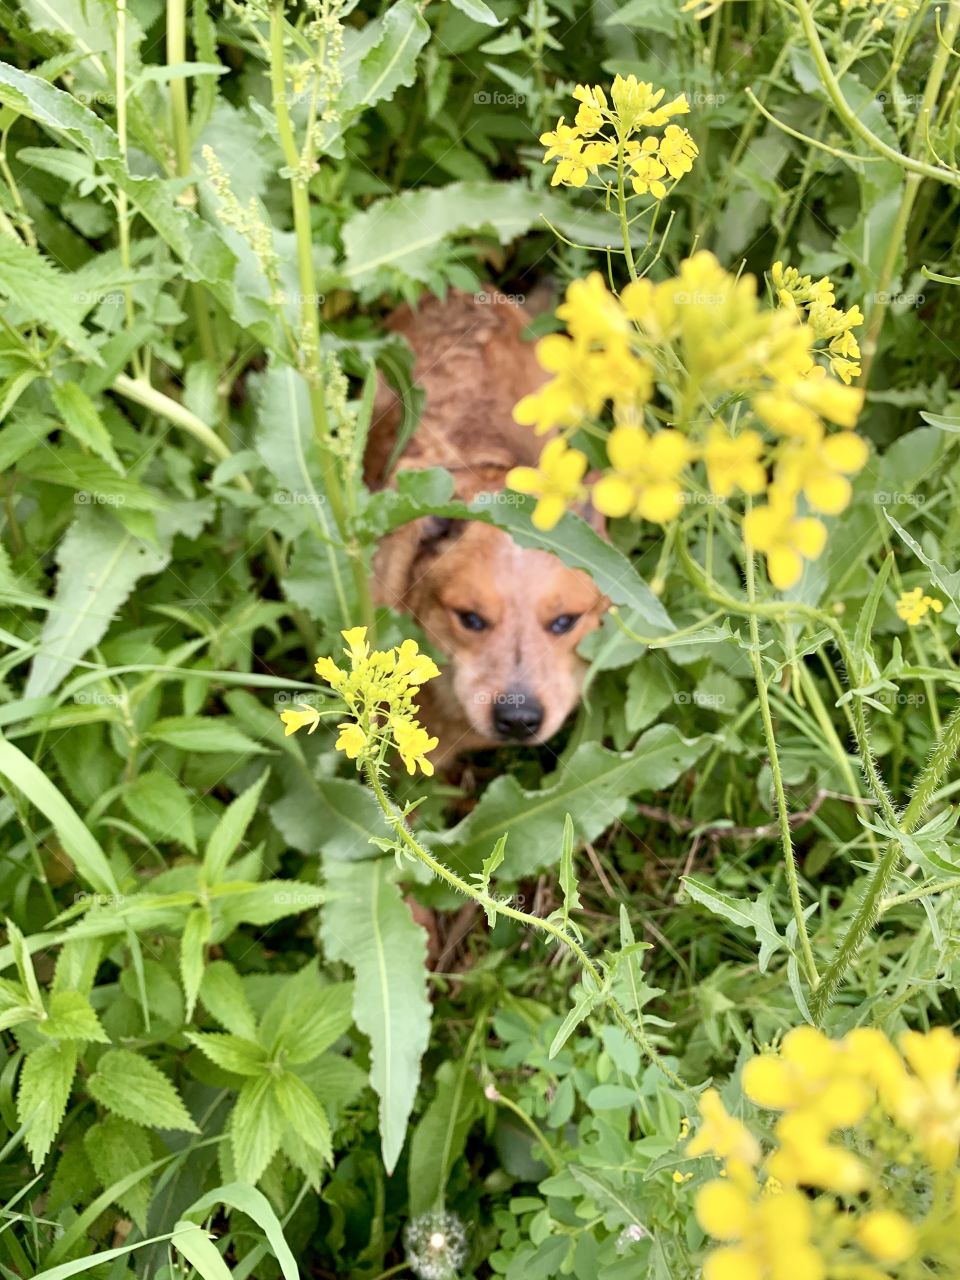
[
  {"x": 264, "y": 903},
  {"x": 367, "y": 924},
  {"x": 242, "y": 1057},
  {"x": 193, "y": 944},
  {"x": 741, "y": 912},
  {"x": 253, "y": 1203},
  {"x": 116, "y": 1148},
  {"x": 230, "y": 830},
  {"x": 338, "y": 818},
  {"x": 317, "y": 1017},
  {"x": 82, "y": 419},
  {"x": 222, "y": 994},
  {"x": 477, "y": 11},
  {"x": 156, "y": 801},
  {"x": 199, "y": 1250},
  {"x": 204, "y": 733},
  {"x": 45, "y": 1082},
  {"x": 441, "y": 1135},
  {"x": 594, "y": 786},
  {"x": 99, "y": 563},
  {"x": 256, "y": 1126},
  {"x": 89, "y": 859},
  {"x": 132, "y": 1087},
  {"x": 71, "y": 1017}
]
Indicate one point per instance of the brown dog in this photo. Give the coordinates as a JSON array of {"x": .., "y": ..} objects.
[{"x": 509, "y": 618}]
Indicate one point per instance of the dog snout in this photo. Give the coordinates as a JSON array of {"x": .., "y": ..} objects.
[{"x": 517, "y": 715}]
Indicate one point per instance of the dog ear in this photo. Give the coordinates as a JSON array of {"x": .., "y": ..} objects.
[{"x": 393, "y": 564}]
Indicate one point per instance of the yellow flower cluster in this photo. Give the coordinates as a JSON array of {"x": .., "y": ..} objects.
[
  {"x": 604, "y": 130},
  {"x": 724, "y": 343},
  {"x": 912, "y": 606},
  {"x": 815, "y": 302},
  {"x": 762, "y": 1211},
  {"x": 379, "y": 691}
]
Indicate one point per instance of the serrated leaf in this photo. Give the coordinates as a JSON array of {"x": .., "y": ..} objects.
[
  {"x": 42, "y": 292},
  {"x": 193, "y": 943},
  {"x": 230, "y": 830},
  {"x": 159, "y": 803},
  {"x": 232, "y": 1053},
  {"x": 81, "y": 418},
  {"x": 367, "y": 925},
  {"x": 313, "y": 1022},
  {"x": 132, "y": 1087},
  {"x": 256, "y": 1126},
  {"x": 71, "y": 1017},
  {"x": 222, "y": 993},
  {"x": 116, "y": 1149},
  {"x": 741, "y": 912},
  {"x": 45, "y": 1082},
  {"x": 304, "y": 1113},
  {"x": 587, "y": 999}
]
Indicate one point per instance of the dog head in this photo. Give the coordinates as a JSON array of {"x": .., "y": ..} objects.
[{"x": 509, "y": 618}]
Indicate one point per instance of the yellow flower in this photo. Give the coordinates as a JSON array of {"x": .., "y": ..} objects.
[
  {"x": 555, "y": 482},
  {"x": 416, "y": 667},
  {"x": 722, "y": 1134},
  {"x": 357, "y": 646},
  {"x": 829, "y": 399},
  {"x": 887, "y": 1235},
  {"x": 592, "y": 314},
  {"x": 785, "y": 538},
  {"x": 643, "y": 482},
  {"x": 647, "y": 170},
  {"x": 769, "y": 1236},
  {"x": 352, "y": 739},
  {"x": 928, "y": 1104},
  {"x": 413, "y": 743},
  {"x": 637, "y": 103},
  {"x": 805, "y": 1156},
  {"x": 294, "y": 720},
  {"x": 734, "y": 462},
  {"x": 912, "y": 606},
  {"x": 818, "y": 468},
  {"x": 576, "y": 159},
  {"x": 328, "y": 670},
  {"x": 677, "y": 151}
]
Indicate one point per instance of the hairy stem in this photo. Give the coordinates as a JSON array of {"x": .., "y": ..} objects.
[{"x": 409, "y": 841}]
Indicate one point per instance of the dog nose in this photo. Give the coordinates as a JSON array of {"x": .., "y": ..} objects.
[{"x": 517, "y": 715}]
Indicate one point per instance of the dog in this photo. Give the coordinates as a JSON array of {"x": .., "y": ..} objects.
[{"x": 508, "y": 618}]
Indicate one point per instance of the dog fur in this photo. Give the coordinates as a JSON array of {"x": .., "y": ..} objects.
[{"x": 514, "y": 679}]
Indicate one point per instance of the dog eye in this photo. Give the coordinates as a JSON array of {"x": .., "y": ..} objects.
[
  {"x": 472, "y": 621},
  {"x": 564, "y": 623}
]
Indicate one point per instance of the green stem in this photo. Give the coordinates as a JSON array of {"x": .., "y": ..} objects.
[
  {"x": 622, "y": 207},
  {"x": 871, "y": 903},
  {"x": 849, "y": 116},
  {"x": 554, "y": 1161},
  {"x": 489, "y": 904},
  {"x": 299, "y": 167},
  {"x": 783, "y": 812},
  {"x": 180, "y": 120}
]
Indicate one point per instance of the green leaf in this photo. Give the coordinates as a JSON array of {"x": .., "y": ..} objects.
[
  {"x": 132, "y": 1087},
  {"x": 948, "y": 581},
  {"x": 242, "y": 1057},
  {"x": 256, "y": 1126},
  {"x": 45, "y": 1082},
  {"x": 585, "y": 1001},
  {"x": 317, "y": 1017},
  {"x": 264, "y": 903},
  {"x": 89, "y": 859},
  {"x": 946, "y": 422},
  {"x": 99, "y": 563},
  {"x": 581, "y": 547},
  {"x": 116, "y": 1149},
  {"x": 568, "y": 876},
  {"x": 222, "y": 993},
  {"x": 71, "y": 1017},
  {"x": 199, "y": 1250},
  {"x": 368, "y": 925},
  {"x": 339, "y": 818},
  {"x": 159, "y": 803},
  {"x": 741, "y": 912},
  {"x": 196, "y": 935},
  {"x": 82, "y": 419},
  {"x": 439, "y": 1139},
  {"x": 594, "y": 787},
  {"x": 204, "y": 733},
  {"x": 304, "y": 1113},
  {"x": 487, "y": 869},
  {"x": 230, "y": 830},
  {"x": 256, "y": 1206},
  {"x": 39, "y": 290},
  {"x": 477, "y": 11},
  {"x": 24, "y": 962}
]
